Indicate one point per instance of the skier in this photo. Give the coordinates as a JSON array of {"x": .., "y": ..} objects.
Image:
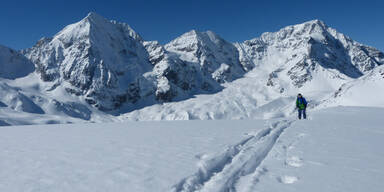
[{"x": 301, "y": 105}]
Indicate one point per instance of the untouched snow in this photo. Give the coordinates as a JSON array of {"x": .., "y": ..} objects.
[
  {"x": 13, "y": 64},
  {"x": 337, "y": 149},
  {"x": 365, "y": 91}
]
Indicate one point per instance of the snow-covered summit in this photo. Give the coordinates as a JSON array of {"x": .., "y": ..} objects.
[
  {"x": 99, "y": 59},
  {"x": 309, "y": 52},
  {"x": 194, "y": 63},
  {"x": 216, "y": 56}
]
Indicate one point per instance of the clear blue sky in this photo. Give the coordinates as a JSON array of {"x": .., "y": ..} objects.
[{"x": 23, "y": 22}]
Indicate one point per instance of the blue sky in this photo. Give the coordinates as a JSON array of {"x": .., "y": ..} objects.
[{"x": 22, "y": 23}]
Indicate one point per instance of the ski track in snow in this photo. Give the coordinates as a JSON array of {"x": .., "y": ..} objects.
[{"x": 222, "y": 171}]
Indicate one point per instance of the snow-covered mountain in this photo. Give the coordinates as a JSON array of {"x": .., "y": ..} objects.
[
  {"x": 109, "y": 64},
  {"x": 310, "y": 58},
  {"x": 217, "y": 58},
  {"x": 13, "y": 64},
  {"x": 99, "y": 59},
  {"x": 309, "y": 52},
  {"x": 96, "y": 66},
  {"x": 196, "y": 62}
]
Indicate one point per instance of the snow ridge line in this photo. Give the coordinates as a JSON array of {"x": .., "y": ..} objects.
[{"x": 221, "y": 171}]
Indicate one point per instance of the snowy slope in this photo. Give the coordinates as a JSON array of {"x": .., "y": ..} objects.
[
  {"x": 13, "y": 64},
  {"x": 29, "y": 100},
  {"x": 365, "y": 91},
  {"x": 336, "y": 150},
  {"x": 11, "y": 97},
  {"x": 245, "y": 98}
]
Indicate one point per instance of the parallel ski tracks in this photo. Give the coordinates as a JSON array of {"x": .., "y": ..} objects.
[{"x": 221, "y": 171}]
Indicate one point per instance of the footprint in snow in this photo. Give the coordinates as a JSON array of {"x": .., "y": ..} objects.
[
  {"x": 294, "y": 161},
  {"x": 287, "y": 179}
]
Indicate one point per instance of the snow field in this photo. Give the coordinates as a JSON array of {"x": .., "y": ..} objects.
[
  {"x": 142, "y": 156},
  {"x": 338, "y": 149}
]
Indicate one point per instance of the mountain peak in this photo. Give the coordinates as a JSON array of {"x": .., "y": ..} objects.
[
  {"x": 95, "y": 18},
  {"x": 97, "y": 25},
  {"x": 192, "y": 33},
  {"x": 309, "y": 26},
  {"x": 197, "y": 36},
  {"x": 316, "y": 21},
  {"x": 203, "y": 33},
  {"x": 82, "y": 28},
  {"x": 93, "y": 14}
]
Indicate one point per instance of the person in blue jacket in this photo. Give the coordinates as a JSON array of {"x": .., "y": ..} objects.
[{"x": 301, "y": 105}]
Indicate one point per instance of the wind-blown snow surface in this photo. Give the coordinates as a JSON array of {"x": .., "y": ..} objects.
[{"x": 338, "y": 149}]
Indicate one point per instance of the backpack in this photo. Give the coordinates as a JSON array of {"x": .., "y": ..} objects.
[{"x": 301, "y": 103}]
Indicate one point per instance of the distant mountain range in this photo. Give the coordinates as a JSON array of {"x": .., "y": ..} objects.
[{"x": 100, "y": 70}]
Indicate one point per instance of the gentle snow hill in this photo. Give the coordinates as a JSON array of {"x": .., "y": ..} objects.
[
  {"x": 365, "y": 91},
  {"x": 338, "y": 149},
  {"x": 26, "y": 101},
  {"x": 13, "y": 64}
]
